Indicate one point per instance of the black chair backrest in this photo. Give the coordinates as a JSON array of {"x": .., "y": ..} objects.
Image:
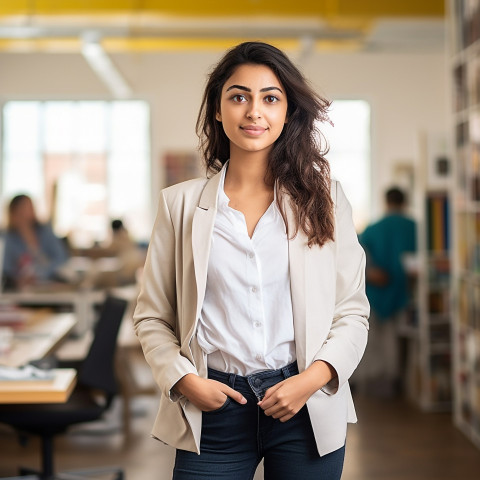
[{"x": 98, "y": 369}]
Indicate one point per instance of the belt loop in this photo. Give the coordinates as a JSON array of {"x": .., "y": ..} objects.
[
  {"x": 286, "y": 372},
  {"x": 231, "y": 380}
]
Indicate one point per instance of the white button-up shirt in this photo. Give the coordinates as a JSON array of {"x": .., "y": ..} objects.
[{"x": 246, "y": 323}]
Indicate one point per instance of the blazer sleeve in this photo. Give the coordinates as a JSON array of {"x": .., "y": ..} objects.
[
  {"x": 155, "y": 316},
  {"x": 348, "y": 334}
]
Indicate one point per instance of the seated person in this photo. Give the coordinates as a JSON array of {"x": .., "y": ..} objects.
[
  {"x": 32, "y": 253},
  {"x": 128, "y": 255}
]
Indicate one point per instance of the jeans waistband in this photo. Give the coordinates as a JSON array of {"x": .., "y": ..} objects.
[{"x": 259, "y": 382}]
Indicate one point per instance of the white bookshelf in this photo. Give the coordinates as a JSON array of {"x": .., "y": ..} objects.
[
  {"x": 433, "y": 388},
  {"x": 465, "y": 70}
]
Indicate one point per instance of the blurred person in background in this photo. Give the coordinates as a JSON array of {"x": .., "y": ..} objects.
[
  {"x": 131, "y": 256},
  {"x": 33, "y": 253},
  {"x": 122, "y": 255},
  {"x": 386, "y": 242}
]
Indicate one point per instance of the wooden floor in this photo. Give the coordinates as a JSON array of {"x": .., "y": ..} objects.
[{"x": 392, "y": 441}]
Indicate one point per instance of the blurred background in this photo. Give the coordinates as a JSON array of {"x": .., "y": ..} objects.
[{"x": 98, "y": 104}]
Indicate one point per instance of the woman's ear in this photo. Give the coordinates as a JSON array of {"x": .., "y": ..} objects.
[{"x": 218, "y": 116}]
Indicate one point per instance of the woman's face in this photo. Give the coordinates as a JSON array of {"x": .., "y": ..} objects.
[
  {"x": 253, "y": 109},
  {"x": 23, "y": 214}
]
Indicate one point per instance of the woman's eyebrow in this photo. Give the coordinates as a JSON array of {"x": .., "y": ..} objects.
[{"x": 246, "y": 89}]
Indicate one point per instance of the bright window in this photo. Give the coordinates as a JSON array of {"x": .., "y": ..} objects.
[
  {"x": 349, "y": 154},
  {"x": 83, "y": 163}
]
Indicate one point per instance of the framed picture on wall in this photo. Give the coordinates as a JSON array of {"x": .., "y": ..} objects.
[{"x": 180, "y": 166}]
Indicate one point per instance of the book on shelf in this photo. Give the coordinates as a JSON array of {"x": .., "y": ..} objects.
[{"x": 438, "y": 213}]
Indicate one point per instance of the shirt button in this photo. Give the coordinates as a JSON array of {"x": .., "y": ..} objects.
[
  {"x": 258, "y": 357},
  {"x": 254, "y": 289},
  {"x": 258, "y": 324},
  {"x": 251, "y": 255}
]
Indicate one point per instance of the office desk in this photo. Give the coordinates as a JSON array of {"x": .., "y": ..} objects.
[
  {"x": 38, "y": 337},
  {"x": 56, "y": 390},
  {"x": 82, "y": 301}
]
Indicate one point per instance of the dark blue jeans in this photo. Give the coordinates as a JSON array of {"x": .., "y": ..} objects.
[{"x": 236, "y": 437}]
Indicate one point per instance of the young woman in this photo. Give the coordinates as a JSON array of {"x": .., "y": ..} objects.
[{"x": 252, "y": 312}]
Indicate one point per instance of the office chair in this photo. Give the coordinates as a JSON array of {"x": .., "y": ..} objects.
[{"x": 96, "y": 375}]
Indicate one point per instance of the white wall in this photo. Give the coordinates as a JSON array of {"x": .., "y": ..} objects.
[
  {"x": 407, "y": 93},
  {"x": 408, "y": 96}
]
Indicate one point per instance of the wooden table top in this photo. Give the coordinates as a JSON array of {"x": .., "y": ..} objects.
[
  {"x": 54, "y": 294},
  {"x": 37, "y": 337}
]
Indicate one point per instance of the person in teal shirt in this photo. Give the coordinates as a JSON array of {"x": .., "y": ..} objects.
[{"x": 386, "y": 242}]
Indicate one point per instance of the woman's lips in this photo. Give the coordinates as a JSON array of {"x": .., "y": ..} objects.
[{"x": 254, "y": 130}]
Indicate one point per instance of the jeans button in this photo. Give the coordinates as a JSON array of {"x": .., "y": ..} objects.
[{"x": 257, "y": 382}]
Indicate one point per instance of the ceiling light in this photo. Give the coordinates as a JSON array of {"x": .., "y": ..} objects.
[{"x": 102, "y": 65}]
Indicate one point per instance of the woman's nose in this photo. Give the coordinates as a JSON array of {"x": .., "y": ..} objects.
[{"x": 254, "y": 111}]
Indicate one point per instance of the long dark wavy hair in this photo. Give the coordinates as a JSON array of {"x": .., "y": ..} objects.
[{"x": 297, "y": 160}]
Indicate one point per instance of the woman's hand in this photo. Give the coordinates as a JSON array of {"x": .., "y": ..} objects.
[
  {"x": 377, "y": 276},
  {"x": 206, "y": 394},
  {"x": 285, "y": 399}
]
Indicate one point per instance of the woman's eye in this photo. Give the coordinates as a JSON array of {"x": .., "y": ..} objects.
[
  {"x": 271, "y": 99},
  {"x": 239, "y": 98}
]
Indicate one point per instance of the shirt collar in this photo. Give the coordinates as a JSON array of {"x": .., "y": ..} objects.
[{"x": 222, "y": 196}]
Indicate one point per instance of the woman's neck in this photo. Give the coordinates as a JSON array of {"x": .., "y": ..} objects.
[
  {"x": 248, "y": 172},
  {"x": 248, "y": 189}
]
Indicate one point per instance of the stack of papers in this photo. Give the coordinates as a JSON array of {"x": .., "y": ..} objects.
[{"x": 28, "y": 372}]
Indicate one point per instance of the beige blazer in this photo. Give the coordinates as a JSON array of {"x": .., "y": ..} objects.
[{"x": 330, "y": 310}]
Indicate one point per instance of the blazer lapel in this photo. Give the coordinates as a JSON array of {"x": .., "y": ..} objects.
[
  {"x": 202, "y": 229},
  {"x": 312, "y": 285},
  {"x": 297, "y": 247}
]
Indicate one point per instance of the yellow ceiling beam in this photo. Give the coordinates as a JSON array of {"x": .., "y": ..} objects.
[
  {"x": 391, "y": 8},
  {"x": 120, "y": 45},
  {"x": 221, "y": 44},
  {"x": 41, "y": 45},
  {"x": 321, "y": 8},
  {"x": 157, "y": 25}
]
